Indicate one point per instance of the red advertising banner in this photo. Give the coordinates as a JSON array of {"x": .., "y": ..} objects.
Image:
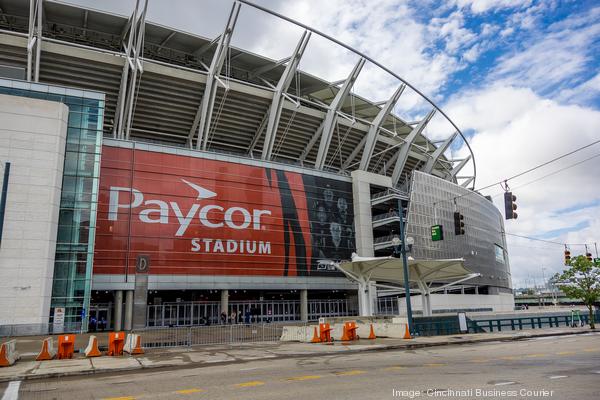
[{"x": 205, "y": 217}]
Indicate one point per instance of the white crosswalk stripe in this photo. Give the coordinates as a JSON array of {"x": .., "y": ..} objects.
[{"x": 12, "y": 391}]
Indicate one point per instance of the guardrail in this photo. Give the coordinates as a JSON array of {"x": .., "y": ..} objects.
[
  {"x": 538, "y": 322},
  {"x": 209, "y": 335}
]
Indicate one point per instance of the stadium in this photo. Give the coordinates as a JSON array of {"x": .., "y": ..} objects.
[{"x": 160, "y": 178}]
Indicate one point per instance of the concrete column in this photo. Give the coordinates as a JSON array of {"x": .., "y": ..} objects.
[
  {"x": 361, "y": 198},
  {"x": 225, "y": 301},
  {"x": 128, "y": 310},
  {"x": 364, "y": 306},
  {"x": 304, "y": 305},
  {"x": 118, "y": 309}
]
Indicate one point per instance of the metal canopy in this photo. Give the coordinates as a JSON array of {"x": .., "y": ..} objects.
[{"x": 387, "y": 271}]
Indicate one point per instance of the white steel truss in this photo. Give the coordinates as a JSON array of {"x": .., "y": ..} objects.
[
  {"x": 34, "y": 40},
  {"x": 374, "y": 129},
  {"x": 455, "y": 170},
  {"x": 134, "y": 32},
  {"x": 402, "y": 156},
  {"x": 203, "y": 118},
  {"x": 278, "y": 96},
  {"x": 331, "y": 116},
  {"x": 428, "y": 168}
]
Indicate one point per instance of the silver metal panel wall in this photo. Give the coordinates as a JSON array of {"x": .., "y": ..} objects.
[{"x": 484, "y": 229}]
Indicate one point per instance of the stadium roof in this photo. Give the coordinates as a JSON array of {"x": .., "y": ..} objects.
[{"x": 317, "y": 123}]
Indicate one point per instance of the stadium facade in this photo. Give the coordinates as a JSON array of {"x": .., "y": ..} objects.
[{"x": 161, "y": 178}]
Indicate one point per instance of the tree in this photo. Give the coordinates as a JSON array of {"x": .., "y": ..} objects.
[{"x": 581, "y": 281}]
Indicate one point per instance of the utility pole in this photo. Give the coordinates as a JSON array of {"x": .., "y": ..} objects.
[{"x": 405, "y": 268}]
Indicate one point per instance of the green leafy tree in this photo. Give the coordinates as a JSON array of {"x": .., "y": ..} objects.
[{"x": 581, "y": 281}]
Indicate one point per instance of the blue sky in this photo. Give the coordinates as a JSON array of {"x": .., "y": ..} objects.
[{"x": 520, "y": 77}]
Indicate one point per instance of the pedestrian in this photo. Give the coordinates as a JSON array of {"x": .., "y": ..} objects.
[
  {"x": 92, "y": 325},
  {"x": 233, "y": 317},
  {"x": 102, "y": 324},
  {"x": 223, "y": 318}
]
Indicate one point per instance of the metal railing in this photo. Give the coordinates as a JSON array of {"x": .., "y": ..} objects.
[
  {"x": 536, "y": 322},
  {"x": 386, "y": 306},
  {"x": 391, "y": 214},
  {"x": 38, "y": 329},
  {"x": 209, "y": 335},
  {"x": 245, "y": 312}
]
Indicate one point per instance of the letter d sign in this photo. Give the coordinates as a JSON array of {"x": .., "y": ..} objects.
[{"x": 142, "y": 264}]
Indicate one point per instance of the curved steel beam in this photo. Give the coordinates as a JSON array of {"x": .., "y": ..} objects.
[{"x": 371, "y": 60}]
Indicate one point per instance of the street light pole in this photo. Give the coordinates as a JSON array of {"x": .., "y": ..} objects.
[{"x": 405, "y": 267}]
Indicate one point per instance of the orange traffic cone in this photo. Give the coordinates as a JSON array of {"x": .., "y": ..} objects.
[
  {"x": 316, "y": 338},
  {"x": 407, "y": 333},
  {"x": 372, "y": 333}
]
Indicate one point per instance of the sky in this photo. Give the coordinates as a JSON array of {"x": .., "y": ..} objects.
[{"x": 521, "y": 79}]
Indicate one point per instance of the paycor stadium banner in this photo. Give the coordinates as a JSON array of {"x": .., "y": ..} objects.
[{"x": 196, "y": 216}]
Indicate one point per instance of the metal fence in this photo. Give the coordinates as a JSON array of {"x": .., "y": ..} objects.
[
  {"x": 386, "y": 306},
  {"x": 245, "y": 312},
  {"x": 38, "y": 329},
  {"x": 536, "y": 322},
  {"x": 209, "y": 335}
]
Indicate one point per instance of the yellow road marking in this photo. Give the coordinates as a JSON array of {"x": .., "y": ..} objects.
[
  {"x": 189, "y": 391},
  {"x": 535, "y": 355},
  {"x": 304, "y": 377},
  {"x": 510, "y": 358},
  {"x": 120, "y": 398},
  {"x": 591, "y": 350},
  {"x": 395, "y": 368},
  {"x": 250, "y": 384},
  {"x": 565, "y": 353},
  {"x": 434, "y": 365},
  {"x": 479, "y": 360},
  {"x": 350, "y": 373}
]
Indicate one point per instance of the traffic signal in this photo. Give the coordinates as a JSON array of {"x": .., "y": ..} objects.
[
  {"x": 567, "y": 257},
  {"x": 459, "y": 225},
  {"x": 589, "y": 257},
  {"x": 510, "y": 206}
]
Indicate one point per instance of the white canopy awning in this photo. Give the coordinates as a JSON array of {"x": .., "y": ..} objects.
[{"x": 421, "y": 272}]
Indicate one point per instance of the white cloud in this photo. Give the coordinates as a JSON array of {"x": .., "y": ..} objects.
[
  {"x": 550, "y": 60},
  {"x": 516, "y": 130},
  {"x": 481, "y": 6}
]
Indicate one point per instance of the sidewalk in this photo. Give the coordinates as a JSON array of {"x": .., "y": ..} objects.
[{"x": 204, "y": 356}]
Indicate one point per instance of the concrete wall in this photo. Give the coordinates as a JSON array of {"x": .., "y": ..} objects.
[
  {"x": 363, "y": 223},
  {"x": 498, "y": 302},
  {"x": 32, "y": 139}
]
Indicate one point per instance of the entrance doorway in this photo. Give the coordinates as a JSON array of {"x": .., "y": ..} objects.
[{"x": 102, "y": 313}]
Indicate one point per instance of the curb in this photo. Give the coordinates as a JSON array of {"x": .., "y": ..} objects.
[{"x": 407, "y": 346}]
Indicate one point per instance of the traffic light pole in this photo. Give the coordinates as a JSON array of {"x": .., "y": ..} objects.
[{"x": 405, "y": 268}]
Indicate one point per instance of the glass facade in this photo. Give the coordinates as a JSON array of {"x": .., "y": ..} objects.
[
  {"x": 77, "y": 215},
  {"x": 483, "y": 246}
]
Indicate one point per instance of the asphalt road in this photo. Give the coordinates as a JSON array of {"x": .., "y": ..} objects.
[{"x": 562, "y": 367}]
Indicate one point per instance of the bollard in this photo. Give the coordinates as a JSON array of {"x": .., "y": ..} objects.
[
  {"x": 133, "y": 344},
  {"x": 8, "y": 353},
  {"x": 66, "y": 346},
  {"x": 92, "y": 348},
  {"x": 48, "y": 351},
  {"x": 325, "y": 333},
  {"x": 115, "y": 343}
]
